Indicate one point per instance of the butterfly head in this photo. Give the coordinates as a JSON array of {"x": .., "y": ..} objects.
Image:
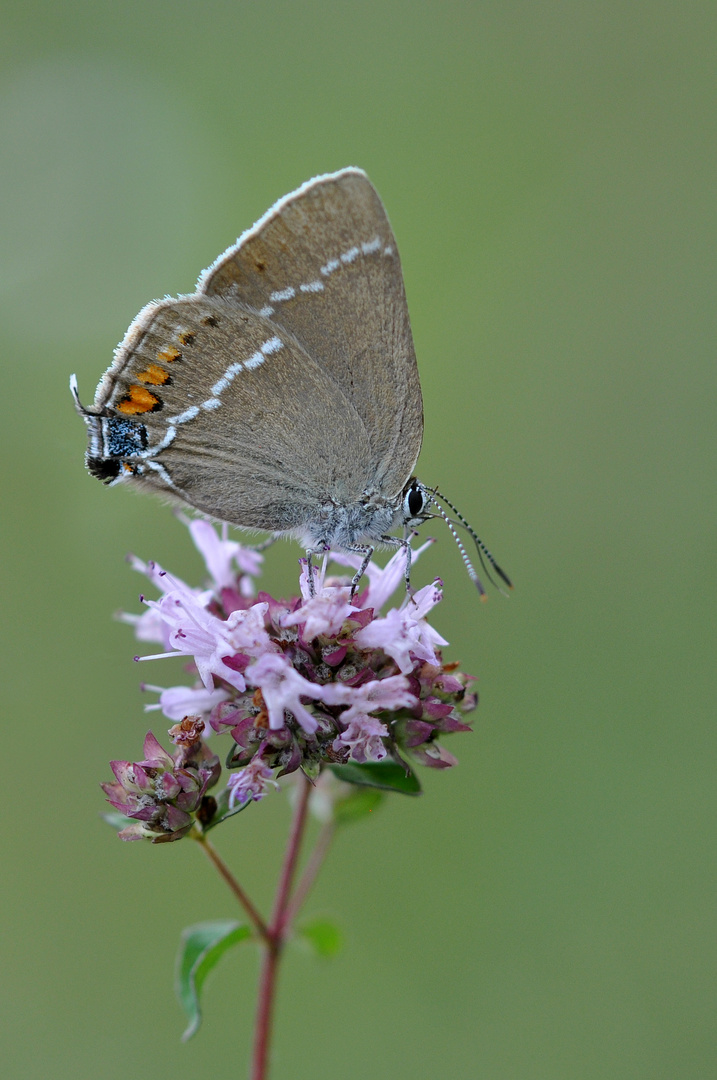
[
  {"x": 420, "y": 503},
  {"x": 415, "y": 500}
]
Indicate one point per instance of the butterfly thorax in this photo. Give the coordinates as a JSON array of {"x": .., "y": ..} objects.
[{"x": 338, "y": 526}]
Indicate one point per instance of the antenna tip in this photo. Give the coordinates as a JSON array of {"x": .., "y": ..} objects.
[
  {"x": 479, "y": 586},
  {"x": 502, "y": 574}
]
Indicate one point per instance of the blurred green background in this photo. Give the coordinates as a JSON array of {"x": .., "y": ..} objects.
[{"x": 546, "y": 910}]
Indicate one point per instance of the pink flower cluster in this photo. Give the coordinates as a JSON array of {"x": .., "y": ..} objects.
[
  {"x": 163, "y": 793},
  {"x": 301, "y": 683}
]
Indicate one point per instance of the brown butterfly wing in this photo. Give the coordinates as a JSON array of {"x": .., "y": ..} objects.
[
  {"x": 323, "y": 265},
  {"x": 240, "y": 422}
]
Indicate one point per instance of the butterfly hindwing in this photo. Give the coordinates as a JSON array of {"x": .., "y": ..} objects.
[{"x": 323, "y": 265}]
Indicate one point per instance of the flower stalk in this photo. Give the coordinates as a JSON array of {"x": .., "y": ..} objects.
[
  {"x": 280, "y": 927},
  {"x": 224, "y": 872}
]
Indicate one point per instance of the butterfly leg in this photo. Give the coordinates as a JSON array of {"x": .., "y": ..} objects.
[
  {"x": 264, "y": 544},
  {"x": 310, "y": 552},
  {"x": 397, "y": 542},
  {"x": 360, "y": 549}
]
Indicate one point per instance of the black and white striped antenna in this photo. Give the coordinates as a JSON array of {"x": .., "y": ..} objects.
[{"x": 483, "y": 553}]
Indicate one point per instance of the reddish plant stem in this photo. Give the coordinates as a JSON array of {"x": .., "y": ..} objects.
[
  {"x": 256, "y": 919},
  {"x": 309, "y": 876},
  {"x": 276, "y": 937},
  {"x": 291, "y": 857},
  {"x": 264, "y": 1013}
]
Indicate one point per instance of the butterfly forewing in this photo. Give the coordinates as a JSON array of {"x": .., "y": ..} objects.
[
  {"x": 240, "y": 422},
  {"x": 323, "y": 266}
]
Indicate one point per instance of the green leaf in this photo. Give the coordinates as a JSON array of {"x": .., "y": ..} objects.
[
  {"x": 116, "y": 820},
  {"x": 311, "y": 767},
  {"x": 201, "y": 947},
  {"x": 361, "y": 801},
  {"x": 386, "y": 775},
  {"x": 224, "y": 811},
  {"x": 324, "y": 937}
]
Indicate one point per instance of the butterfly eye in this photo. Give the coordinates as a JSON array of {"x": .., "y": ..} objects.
[{"x": 414, "y": 501}]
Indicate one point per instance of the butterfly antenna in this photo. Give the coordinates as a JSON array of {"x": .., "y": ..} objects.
[
  {"x": 483, "y": 552},
  {"x": 464, "y": 554}
]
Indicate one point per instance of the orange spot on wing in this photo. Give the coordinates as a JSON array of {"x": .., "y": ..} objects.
[
  {"x": 138, "y": 400},
  {"x": 154, "y": 375},
  {"x": 187, "y": 337},
  {"x": 169, "y": 355}
]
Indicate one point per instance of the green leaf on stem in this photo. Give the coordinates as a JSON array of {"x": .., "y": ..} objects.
[
  {"x": 361, "y": 801},
  {"x": 201, "y": 947},
  {"x": 116, "y": 820},
  {"x": 224, "y": 810},
  {"x": 386, "y": 775},
  {"x": 324, "y": 937}
]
